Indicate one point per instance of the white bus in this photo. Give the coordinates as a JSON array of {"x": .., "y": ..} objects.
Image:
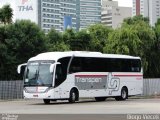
[{"x": 72, "y": 75}]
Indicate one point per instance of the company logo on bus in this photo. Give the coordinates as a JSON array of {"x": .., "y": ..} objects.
[
  {"x": 109, "y": 82},
  {"x": 84, "y": 82},
  {"x": 89, "y": 79}
]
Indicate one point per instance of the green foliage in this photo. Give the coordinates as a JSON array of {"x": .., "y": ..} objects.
[
  {"x": 135, "y": 20},
  {"x": 55, "y": 41},
  {"x": 3, "y": 52},
  {"x": 69, "y": 36},
  {"x": 154, "y": 54},
  {"x": 6, "y": 14},
  {"x": 83, "y": 41},
  {"x": 123, "y": 41},
  {"x": 99, "y": 34},
  {"x": 134, "y": 38},
  {"x": 21, "y": 40}
]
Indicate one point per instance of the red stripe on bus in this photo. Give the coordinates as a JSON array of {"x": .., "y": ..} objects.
[
  {"x": 107, "y": 75},
  {"x": 128, "y": 75},
  {"x": 90, "y": 75}
]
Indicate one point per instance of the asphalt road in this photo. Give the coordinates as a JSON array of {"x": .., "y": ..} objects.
[{"x": 110, "y": 106}]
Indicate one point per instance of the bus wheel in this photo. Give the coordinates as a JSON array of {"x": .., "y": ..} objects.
[
  {"x": 73, "y": 96},
  {"x": 46, "y": 101},
  {"x": 124, "y": 95},
  {"x": 100, "y": 98}
]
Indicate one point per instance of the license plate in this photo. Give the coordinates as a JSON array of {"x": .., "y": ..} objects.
[{"x": 35, "y": 95}]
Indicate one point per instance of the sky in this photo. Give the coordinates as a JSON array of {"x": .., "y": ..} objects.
[
  {"x": 126, "y": 3},
  {"x": 2, "y": 2}
]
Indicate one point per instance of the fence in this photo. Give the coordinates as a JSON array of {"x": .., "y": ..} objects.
[
  {"x": 14, "y": 89},
  {"x": 151, "y": 87},
  {"x": 11, "y": 89}
]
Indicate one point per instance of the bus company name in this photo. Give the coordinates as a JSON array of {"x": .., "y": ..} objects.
[
  {"x": 25, "y": 8},
  {"x": 88, "y": 79}
]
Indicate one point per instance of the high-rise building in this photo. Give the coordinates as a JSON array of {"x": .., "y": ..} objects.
[
  {"x": 90, "y": 12},
  {"x": 113, "y": 15},
  {"x": 147, "y": 8},
  {"x": 53, "y": 13},
  {"x": 59, "y": 14}
]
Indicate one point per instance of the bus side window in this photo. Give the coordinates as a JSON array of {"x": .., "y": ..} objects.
[
  {"x": 135, "y": 65},
  {"x": 61, "y": 70},
  {"x": 59, "y": 78},
  {"x": 76, "y": 65}
]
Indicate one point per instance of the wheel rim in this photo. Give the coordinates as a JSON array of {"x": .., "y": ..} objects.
[
  {"x": 124, "y": 94},
  {"x": 73, "y": 96}
]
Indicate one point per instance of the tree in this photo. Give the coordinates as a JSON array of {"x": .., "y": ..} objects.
[
  {"x": 6, "y": 14},
  {"x": 3, "y": 53},
  {"x": 134, "y": 38},
  {"x": 69, "y": 37},
  {"x": 83, "y": 40},
  {"x": 55, "y": 41},
  {"x": 154, "y": 65},
  {"x": 123, "y": 41},
  {"x": 23, "y": 39},
  {"x": 1, "y": 15},
  {"x": 135, "y": 20},
  {"x": 99, "y": 34}
]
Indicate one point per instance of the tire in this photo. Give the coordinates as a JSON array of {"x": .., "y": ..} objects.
[
  {"x": 46, "y": 101},
  {"x": 124, "y": 95},
  {"x": 98, "y": 99},
  {"x": 73, "y": 96}
]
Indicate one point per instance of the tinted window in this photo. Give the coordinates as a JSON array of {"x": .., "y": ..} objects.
[
  {"x": 88, "y": 64},
  {"x": 61, "y": 71},
  {"x": 76, "y": 65}
]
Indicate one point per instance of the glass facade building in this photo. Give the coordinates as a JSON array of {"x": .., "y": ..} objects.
[
  {"x": 52, "y": 13},
  {"x": 82, "y": 12},
  {"x": 90, "y": 12}
]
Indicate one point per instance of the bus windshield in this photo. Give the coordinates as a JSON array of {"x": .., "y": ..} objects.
[{"x": 37, "y": 73}]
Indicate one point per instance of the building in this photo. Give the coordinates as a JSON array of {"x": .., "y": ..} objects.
[
  {"x": 47, "y": 13},
  {"x": 147, "y": 8},
  {"x": 113, "y": 15},
  {"x": 140, "y": 7},
  {"x": 90, "y": 12},
  {"x": 59, "y": 14}
]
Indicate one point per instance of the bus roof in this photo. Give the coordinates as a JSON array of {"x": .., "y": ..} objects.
[{"x": 57, "y": 55}]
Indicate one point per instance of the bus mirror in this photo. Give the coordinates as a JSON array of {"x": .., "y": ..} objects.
[
  {"x": 19, "y": 67},
  {"x": 51, "y": 68},
  {"x": 58, "y": 63}
]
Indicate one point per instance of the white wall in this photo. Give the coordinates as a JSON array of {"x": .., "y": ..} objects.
[
  {"x": 119, "y": 14},
  {"x": 26, "y": 9}
]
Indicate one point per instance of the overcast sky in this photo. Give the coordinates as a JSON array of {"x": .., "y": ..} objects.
[
  {"x": 2, "y": 2},
  {"x": 127, "y": 3}
]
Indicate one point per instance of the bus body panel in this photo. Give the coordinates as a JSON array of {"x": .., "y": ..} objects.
[
  {"x": 88, "y": 84},
  {"x": 133, "y": 83}
]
